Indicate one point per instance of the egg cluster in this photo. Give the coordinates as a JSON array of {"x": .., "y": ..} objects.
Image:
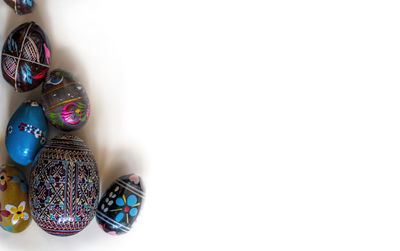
[{"x": 62, "y": 195}]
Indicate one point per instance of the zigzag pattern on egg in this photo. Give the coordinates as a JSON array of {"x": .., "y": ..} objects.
[{"x": 67, "y": 228}]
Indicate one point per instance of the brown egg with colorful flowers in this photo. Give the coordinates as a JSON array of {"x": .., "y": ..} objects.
[{"x": 65, "y": 101}]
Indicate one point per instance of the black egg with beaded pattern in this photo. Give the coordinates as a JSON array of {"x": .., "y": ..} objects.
[
  {"x": 65, "y": 101},
  {"x": 64, "y": 186},
  {"x": 25, "y": 58}
]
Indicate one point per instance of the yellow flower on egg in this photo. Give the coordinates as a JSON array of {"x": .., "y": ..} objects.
[{"x": 17, "y": 212}]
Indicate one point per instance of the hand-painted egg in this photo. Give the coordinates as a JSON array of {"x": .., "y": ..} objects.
[
  {"x": 26, "y": 57},
  {"x": 21, "y": 7},
  {"x": 120, "y": 205},
  {"x": 26, "y": 133},
  {"x": 64, "y": 186},
  {"x": 15, "y": 214},
  {"x": 65, "y": 101}
]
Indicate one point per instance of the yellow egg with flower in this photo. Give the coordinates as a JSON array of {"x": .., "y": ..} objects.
[{"x": 15, "y": 214}]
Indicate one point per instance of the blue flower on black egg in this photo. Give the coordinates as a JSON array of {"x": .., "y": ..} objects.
[{"x": 128, "y": 207}]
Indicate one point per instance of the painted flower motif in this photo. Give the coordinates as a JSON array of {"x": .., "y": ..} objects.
[
  {"x": 18, "y": 213},
  {"x": 104, "y": 229},
  {"x": 134, "y": 178},
  {"x": 19, "y": 179},
  {"x": 4, "y": 213},
  {"x": 128, "y": 207},
  {"x": 74, "y": 113},
  {"x": 109, "y": 200},
  {"x": 7, "y": 228},
  {"x": 106, "y": 204},
  {"x": 3, "y": 180}
]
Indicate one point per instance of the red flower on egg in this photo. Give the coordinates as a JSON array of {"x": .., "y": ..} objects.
[
  {"x": 3, "y": 180},
  {"x": 4, "y": 213},
  {"x": 104, "y": 229}
]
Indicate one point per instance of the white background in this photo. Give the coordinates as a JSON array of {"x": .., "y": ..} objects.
[{"x": 256, "y": 125}]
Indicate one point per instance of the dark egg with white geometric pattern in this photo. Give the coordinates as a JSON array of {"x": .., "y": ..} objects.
[
  {"x": 25, "y": 58},
  {"x": 65, "y": 102},
  {"x": 120, "y": 205},
  {"x": 64, "y": 186},
  {"x": 21, "y": 7}
]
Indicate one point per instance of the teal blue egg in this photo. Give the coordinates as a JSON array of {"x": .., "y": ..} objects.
[{"x": 26, "y": 133}]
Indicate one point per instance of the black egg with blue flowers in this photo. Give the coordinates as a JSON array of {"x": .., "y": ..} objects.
[{"x": 120, "y": 205}]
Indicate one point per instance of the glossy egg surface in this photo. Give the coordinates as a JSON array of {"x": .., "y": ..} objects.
[
  {"x": 64, "y": 186},
  {"x": 15, "y": 214},
  {"x": 26, "y": 132},
  {"x": 120, "y": 205},
  {"x": 25, "y": 58},
  {"x": 65, "y": 101}
]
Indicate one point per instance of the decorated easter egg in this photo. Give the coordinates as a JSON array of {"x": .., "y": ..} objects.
[
  {"x": 21, "y": 7},
  {"x": 15, "y": 214},
  {"x": 26, "y": 132},
  {"x": 120, "y": 205},
  {"x": 64, "y": 186},
  {"x": 65, "y": 101},
  {"x": 26, "y": 57}
]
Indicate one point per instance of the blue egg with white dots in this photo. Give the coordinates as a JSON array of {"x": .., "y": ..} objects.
[{"x": 26, "y": 132}]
